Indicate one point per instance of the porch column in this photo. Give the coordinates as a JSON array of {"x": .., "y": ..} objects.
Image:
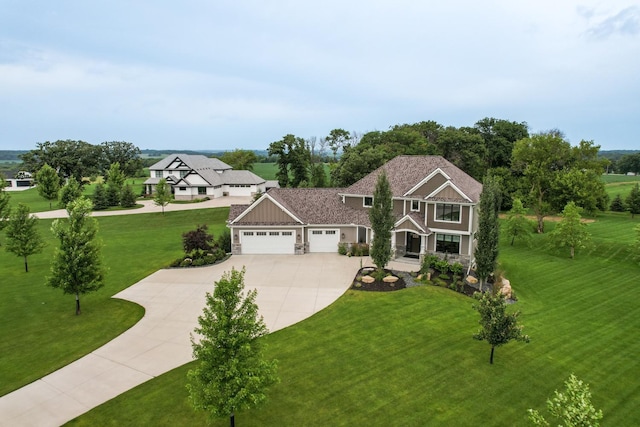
[
  {"x": 423, "y": 244},
  {"x": 393, "y": 244}
]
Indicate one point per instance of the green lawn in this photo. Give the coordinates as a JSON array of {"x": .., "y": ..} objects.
[
  {"x": 40, "y": 332},
  {"x": 265, "y": 170},
  {"x": 408, "y": 358}
]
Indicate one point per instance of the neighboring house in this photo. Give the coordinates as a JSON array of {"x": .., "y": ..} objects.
[
  {"x": 20, "y": 181},
  {"x": 434, "y": 202},
  {"x": 196, "y": 177}
]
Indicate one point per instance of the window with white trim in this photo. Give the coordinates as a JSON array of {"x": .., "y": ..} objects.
[
  {"x": 261, "y": 233},
  {"x": 316, "y": 232},
  {"x": 448, "y": 243},
  {"x": 287, "y": 233},
  {"x": 415, "y": 206},
  {"x": 330, "y": 232},
  {"x": 247, "y": 233},
  {"x": 274, "y": 233},
  {"x": 202, "y": 190},
  {"x": 183, "y": 174},
  {"x": 447, "y": 212},
  {"x": 367, "y": 201},
  {"x": 158, "y": 174}
]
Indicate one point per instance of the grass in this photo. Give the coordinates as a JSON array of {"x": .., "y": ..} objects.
[
  {"x": 407, "y": 357},
  {"x": 40, "y": 332}
]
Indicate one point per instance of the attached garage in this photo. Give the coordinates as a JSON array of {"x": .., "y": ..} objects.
[
  {"x": 267, "y": 242},
  {"x": 324, "y": 240}
]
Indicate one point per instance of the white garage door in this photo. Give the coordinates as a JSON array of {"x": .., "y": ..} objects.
[
  {"x": 268, "y": 242},
  {"x": 323, "y": 240}
]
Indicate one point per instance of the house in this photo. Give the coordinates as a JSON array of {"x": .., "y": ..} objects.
[
  {"x": 196, "y": 177},
  {"x": 20, "y": 181},
  {"x": 434, "y": 203}
]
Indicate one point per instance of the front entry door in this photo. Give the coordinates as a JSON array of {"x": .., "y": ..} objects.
[{"x": 413, "y": 243}]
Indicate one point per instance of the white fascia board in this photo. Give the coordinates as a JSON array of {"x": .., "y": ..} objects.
[
  {"x": 426, "y": 179},
  {"x": 260, "y": 200},
  {"x": 452, "y": 185}
]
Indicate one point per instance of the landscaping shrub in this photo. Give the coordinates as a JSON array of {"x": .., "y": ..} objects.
[
  {"x": 442, "y": 266},
  {"x": 343, "y": 248},
  {"x": 186, "y": 262},
  {"x": 429, "y": 261},
  {"x": 224, "y": 241}
]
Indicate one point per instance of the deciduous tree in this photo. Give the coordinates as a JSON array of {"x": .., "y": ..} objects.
[
  {"x": 69, "y": 158},
  {"x": 554, "y": 173},
  {"x": 573, "y": 406},
  {"x": 162, "y": 196},
  {"x": 77, "y": 263},
  {"x": 23, "y": 238},
  {"x": 488, "y": 234},
  {"x": 570, "y": 232},
  {"x": 498, "y": 327},
  {"x": 70, "y": 192},
  {"x": 240, "y": 159},
  {"x": 126, "y": 154},
  {"x": 48, "y": 183},
  {"x": 382, "y": 220},
  {"x": 231, "y": 372}
]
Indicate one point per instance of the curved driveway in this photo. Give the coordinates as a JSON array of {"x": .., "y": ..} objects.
[{"x": 290, "y": 289}]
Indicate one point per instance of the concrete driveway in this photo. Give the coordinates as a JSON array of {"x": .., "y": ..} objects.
[{"x": 290, "y": 289}]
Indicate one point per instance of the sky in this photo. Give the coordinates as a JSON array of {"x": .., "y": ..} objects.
[{"x": 219, "y": 75}]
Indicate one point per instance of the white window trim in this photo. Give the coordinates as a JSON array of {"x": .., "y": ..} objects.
[
  {"x": 364, "y": 199},
  {"x": 415, "y": 210},
  {"x": 435, "y": 213}
]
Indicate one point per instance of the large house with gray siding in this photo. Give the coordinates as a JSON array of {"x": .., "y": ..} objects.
[
  {"x": 434, "y": 203},
  {"x": 196, "y": 177}
]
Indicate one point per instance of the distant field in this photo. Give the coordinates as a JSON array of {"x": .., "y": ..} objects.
[
  {"x": 619, "y": 185},
  {"x": 614, "y": 178},
  {"x": 265, "y": 170}
]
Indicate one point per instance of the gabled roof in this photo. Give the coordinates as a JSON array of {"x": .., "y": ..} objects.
[
  {"x": 414, "y": 218},
  {"x": 311, "y": 206},
  {"x": 405, "y": 173},
  {"x": 193, "y": 161},
  {"x": 241, "y": 177}
]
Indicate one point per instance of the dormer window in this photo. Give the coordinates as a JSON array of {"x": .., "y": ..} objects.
[
  {"x": 367, "y": 202},
  {"x": 415, "y": 206}
]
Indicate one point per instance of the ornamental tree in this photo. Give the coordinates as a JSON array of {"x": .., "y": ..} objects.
[
  {"x": 23, "y": 238},
  {"x": 162, "y": 195},
  {"x": 48, "y": 183},
  {"x": 381, "y": 217},
  {"x": 70, "y": 192},
  {"x": 573, "y": 406},
  {"x": 197, "y": 240},
  {"x": 77, "y": 267},
  {"x": 570, "y": 232},
  {"x": 498, "y": 327},
  {"x": 231, "y": 372}
]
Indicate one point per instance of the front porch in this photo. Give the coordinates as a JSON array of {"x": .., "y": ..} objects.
[{"x": 410, "y": 247}]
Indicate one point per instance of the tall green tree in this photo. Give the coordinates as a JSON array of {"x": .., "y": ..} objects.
[
  {"x": 518, "y": 225},
  {"x": 337, "y": 139},
  {"x": 127, "y": 197},
  {"x": 465, "y": 149},
  {"x": 5, "y": 207},
  {"x": 48, "y": 183},
  {"x": 499, "y": 137},
  {"x": 617, "y": 204},
  {"x": 633, "y": 200},
  {"x": 68, "y": 157},
  {"x": 70, "y": 192},
  {"x": 382, "y": 221},
  {"x": 77, "y": 266},
  {"x": 570, "y": 232},
  {"x": 23, "y": 238},
  {"x": 100, "y": 199},
  {"x": 497, "y": 326},
  {"x": 126, "y": 154},
  {"x": 231, "y": 372},
  {"x": 488, "y": 234},
  {"x": 573, "y": 406},
  {"x": 629, "y": 163},
  {"x": 115, "y": 182},
  {"x": 240, "y": 159},
  {"x": 162, "y": 196}
]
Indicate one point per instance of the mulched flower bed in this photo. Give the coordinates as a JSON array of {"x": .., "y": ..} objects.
[{"x": 377, "y": 285}]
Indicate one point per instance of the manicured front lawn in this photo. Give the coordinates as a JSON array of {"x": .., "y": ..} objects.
[
  {"x": 408, "y": 357},
  {"x": 40, "y": 332}
]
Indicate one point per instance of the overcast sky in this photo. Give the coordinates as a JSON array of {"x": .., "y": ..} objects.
[{"x": 218, "y": 75}]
